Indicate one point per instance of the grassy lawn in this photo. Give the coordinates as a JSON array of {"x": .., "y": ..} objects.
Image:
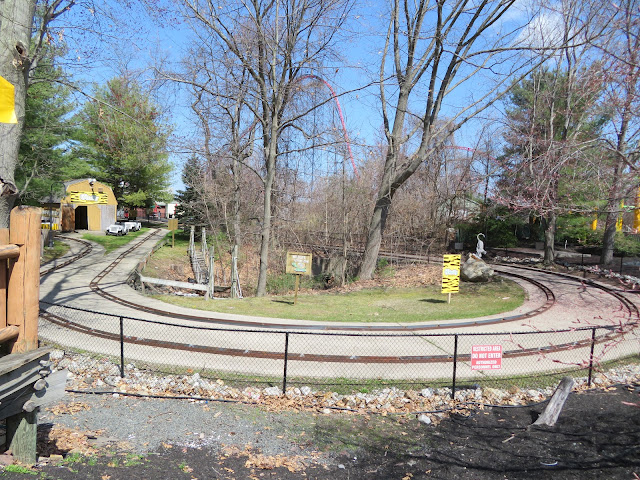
[
  {"x": 375, "y": 305},
  {"x": 52, "y": 253},
  {"x": 175, "y": 258},
  {"x": 111, "y": 242}
]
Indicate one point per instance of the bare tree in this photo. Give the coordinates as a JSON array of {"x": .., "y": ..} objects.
[
  {"x": 434, "y": 48},
  {"x": 277, "y": 42},
  {"x": 622, "y": 99}
]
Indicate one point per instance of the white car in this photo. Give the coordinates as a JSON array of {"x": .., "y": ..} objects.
[
  {"x": 132, "y": 226},
  {"x": 118, "y": 228}
]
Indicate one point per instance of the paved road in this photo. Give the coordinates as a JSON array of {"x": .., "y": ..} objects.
[{"x": 409, "y": 354}]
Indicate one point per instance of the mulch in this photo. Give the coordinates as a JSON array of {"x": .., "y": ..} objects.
[{"x": 597, "y": 437}]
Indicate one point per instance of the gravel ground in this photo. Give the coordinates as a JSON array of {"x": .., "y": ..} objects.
[{"x": 142, "y": 425}]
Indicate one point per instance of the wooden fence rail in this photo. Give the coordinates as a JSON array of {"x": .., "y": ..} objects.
[{"x": 25, "y": 383}]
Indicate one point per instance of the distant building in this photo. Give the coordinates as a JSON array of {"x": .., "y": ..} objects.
[{"x": 87, "y": 205}]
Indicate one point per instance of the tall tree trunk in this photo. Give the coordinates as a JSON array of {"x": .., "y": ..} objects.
[
  {"x": 265, "y": 242},
  {"x": 613, "y": 206},
  {"x": 235, "y": 219},
  {"x": 374, "y": 237},
  {"x": 549, "y": 238},
  {"x": 15, "y": 30}
]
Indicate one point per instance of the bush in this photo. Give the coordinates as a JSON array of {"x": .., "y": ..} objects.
[
  {"x": 627, "y": 245},
  {"x": 577, "y": 231}
]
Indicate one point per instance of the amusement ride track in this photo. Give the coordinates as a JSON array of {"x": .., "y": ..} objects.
[{"x": 632, "y": 315}]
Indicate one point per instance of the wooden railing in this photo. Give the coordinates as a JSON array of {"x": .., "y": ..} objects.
[{"x": 25, "y": 380}]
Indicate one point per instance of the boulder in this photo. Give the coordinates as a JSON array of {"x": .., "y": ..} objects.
[{"x": 475, "y": 270}]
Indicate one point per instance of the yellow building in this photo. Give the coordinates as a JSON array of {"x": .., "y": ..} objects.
[{"x": 88, "y": 205}]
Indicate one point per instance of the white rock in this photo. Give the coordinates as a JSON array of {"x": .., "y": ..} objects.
[
  {"x": 427, "y": 392},
  {"x": 272, "y": 391},
  {"x": 424, "y": 419},
  {"x": 305, "y": 391}
]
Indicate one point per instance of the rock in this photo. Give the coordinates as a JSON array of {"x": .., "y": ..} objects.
[
  {"x": 424, "y": 419},
  {"x": 427, "y": 392},
  {"x": 56, "y": 355},
  {"x": 6, "y": 460},
  {"x": 272, "y": 391},
  {"x": 305, "y": 391},
  {"x": 475, "y": 270}
]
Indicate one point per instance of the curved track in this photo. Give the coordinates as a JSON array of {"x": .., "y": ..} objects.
[{"x": 371, "y": 347}]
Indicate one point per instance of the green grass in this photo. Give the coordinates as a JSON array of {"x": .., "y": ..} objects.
[
  {"x": 112, "y": 242},
  {"x": 57, "y": 251},
  {"x": 374, "y": 305},
  {"x": 19, "y": 469}
]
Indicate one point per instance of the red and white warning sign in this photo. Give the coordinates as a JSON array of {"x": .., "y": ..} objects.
[{"x": 486, "y": 357}]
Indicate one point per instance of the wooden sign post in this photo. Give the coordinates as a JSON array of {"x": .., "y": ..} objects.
[
  {"x": 450, "y": 275},
  {"x": 173, "y": 226},
  {"x": 298, "y": 264}
]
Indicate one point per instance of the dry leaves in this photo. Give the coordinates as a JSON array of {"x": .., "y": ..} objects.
[
  {"x": 293, "y": 463},
  {"x": 68, "y": 408},
  {"x": 60, "y": 440}
]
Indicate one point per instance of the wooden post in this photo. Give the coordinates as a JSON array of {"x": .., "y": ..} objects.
[
  {"x": 173, "y": 238},
  {"x": 295, "y": 297},
  {"x": 234, "y": 272},
  {"x": 550, "y": 415},
  {"x": 23, "y": 297},
  {"x": 23, "y": 303},
  {"x": 203, "y": 243},
  {"x": 22, "y": 436},
  {"x": 192, "y": 237},
  {"x": 4, "y": 271},
  {"x": 212, "y": 283}
]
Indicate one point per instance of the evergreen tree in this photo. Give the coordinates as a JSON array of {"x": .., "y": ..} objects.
[
  {"x": 46, "y": 149},
  {"x": 126, "y": 143},
  {"x": 192, "y": 207},
  {"x": 552, "y": 136}
]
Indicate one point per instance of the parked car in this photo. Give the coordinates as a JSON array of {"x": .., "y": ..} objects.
[
  {"x": 118, "y": 228},
  {"x": 132, "y": 225}
]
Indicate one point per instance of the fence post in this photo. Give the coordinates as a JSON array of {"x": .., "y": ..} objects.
[
  {"x": 455, "y": 365},
  {"x": 593, "y": 342},
  {"x": 212, "y": 283},
  {"x": 286, "y": 361},
  {"x": 192, "y": 236},
  {"x": 121, "y": 347},
  {"x": 204, "y": 243},
  {"x": 234, "y": 272}
]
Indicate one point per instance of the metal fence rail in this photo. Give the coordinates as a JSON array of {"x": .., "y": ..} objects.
[{"x": 291, "y": 357}]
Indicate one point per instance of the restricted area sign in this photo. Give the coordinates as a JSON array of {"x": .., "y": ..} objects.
[
  {"x": 486, "y": 357},
  {"x": 451, "y": 274}
]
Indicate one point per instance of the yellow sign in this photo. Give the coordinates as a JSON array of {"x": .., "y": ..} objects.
[
  {"x": 88, "y": 197},
  {"x": 7, "y": 102},
  {"x": 451, "y": 274},
  {"x": 298, "y": 263},
  {"x": 172, "y": 224}
]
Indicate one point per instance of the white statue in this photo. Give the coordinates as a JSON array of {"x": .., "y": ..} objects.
[{"x": 480, "y": 246}]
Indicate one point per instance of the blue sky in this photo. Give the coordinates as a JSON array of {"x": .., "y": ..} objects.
[{"x": 132, "y": 40}]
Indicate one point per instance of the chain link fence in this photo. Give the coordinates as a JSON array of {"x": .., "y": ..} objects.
[{"x": 349, "y": 359}]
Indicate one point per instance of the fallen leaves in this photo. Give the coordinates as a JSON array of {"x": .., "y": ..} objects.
[
  {"x": 68, "y": 408},
  {"x": 60, "y": 439},
  {"x": 293, "y": 463}
]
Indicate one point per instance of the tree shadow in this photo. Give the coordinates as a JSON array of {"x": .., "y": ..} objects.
[{"x": 286, "y": 302}]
